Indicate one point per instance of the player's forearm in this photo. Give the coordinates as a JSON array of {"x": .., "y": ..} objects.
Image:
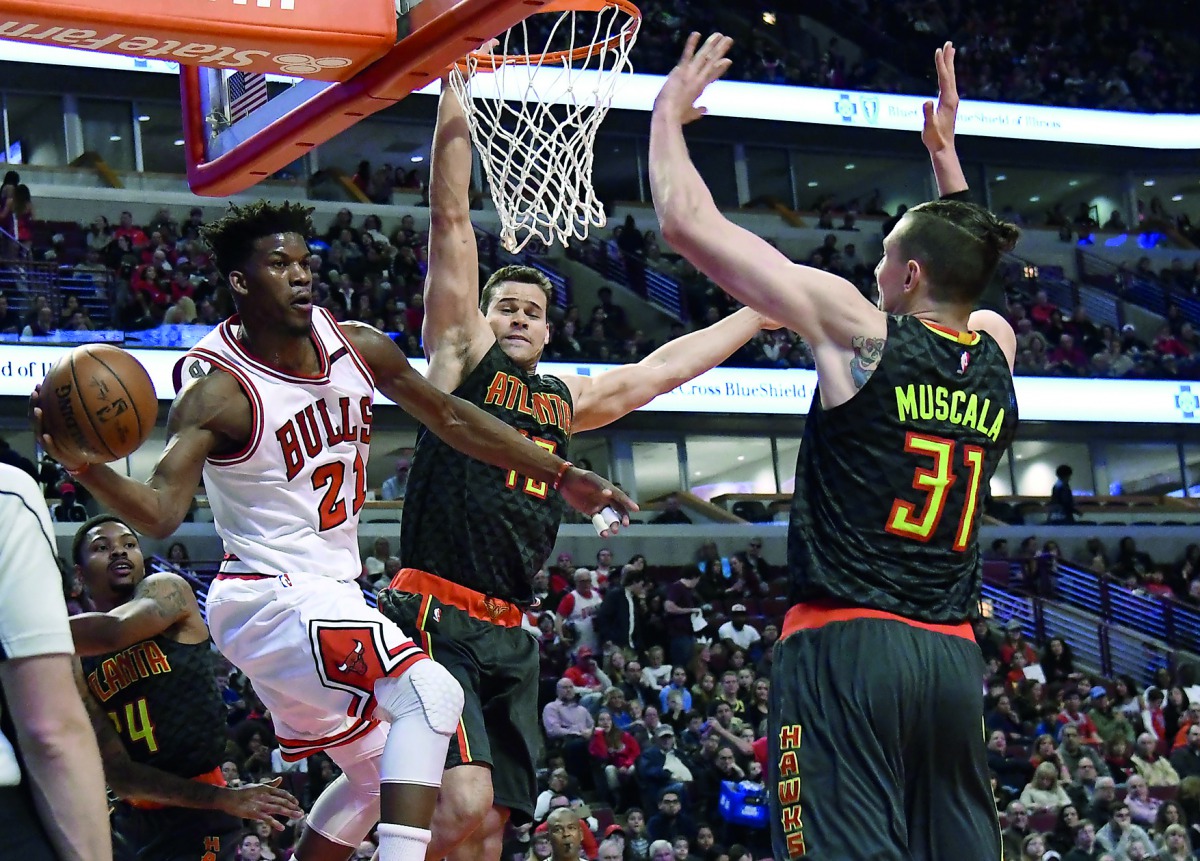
[
  {"x": 682, "y": 201},
  {"x": 95, "y": 634},
  {"x": 484, "y": 437},
  {"x": 676, "y": 362},
  {"x": 450, "y": 164},
  {"x": 140, "y": 504},
  {"x": 134, "y": 781},
  {"x": 68, "y": 786},
  {"x": 948, "y": 172}
]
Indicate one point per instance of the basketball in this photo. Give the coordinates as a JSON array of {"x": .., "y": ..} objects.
[{"x": 98, "y": 403}]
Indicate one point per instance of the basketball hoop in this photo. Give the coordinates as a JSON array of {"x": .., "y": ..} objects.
[{"x": 534, "y": 118}]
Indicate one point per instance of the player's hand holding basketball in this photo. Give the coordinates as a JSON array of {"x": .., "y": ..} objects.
[
  {"x": 64, "y": 456},
  {"x": 938, "y": 133},
  {"x": 588, "y": 493},
  {"x": 262, "y": 802},
  {"x": 696, "y": 70}
]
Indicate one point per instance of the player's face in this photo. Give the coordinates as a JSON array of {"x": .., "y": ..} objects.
[
  {"x": 274, "y": 288},
  {"x": 517, "y": 316},
  {"x": 564, "y": 834},
  {"x": 894, "y": 274},
  {"x": 111, "y": 559}
]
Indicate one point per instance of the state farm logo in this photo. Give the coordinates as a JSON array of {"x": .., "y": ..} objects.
[
  {"x": 190, "y": 53},
  {"x": 303, "y": 64}
]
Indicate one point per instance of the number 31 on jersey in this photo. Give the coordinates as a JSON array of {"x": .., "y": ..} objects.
[{"x": 906, "y": 521}]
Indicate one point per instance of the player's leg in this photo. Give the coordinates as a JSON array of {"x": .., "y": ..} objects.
[
  {"x": 834, "y": 748},
  {"x": 952, "y": 813}
]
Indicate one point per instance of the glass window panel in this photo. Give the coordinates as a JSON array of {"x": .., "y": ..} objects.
[
  {"x": 863, "y": 183},
  {"x": 1034, "y": 194},
  {"x": 36, "y": 132},
  {"x": 1191, "y": 457},
  {"x": 108, "y": 131},
  {"x": 162, "y": 137},
  {"x": 381, "y": 143},
  {"x": 770, "y": 174},
  {"x": 1142, "y": 469},
  {"x": 1036, "y": 460},
  {"x": 714, "y": 161},
  {"x": 787, "y": 450},
  {"x": 592, "y": 452},
  {"x": 613, "y": 173},
  {"x": 722, "y": 464},
  {"x": 1001, "y": 483},
  {"x": 655, "y": 468}
]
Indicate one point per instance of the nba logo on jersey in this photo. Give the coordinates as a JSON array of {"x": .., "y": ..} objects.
[{"x": 963, "y": 361}]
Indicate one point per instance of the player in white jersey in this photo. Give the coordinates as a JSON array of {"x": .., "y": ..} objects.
[{"x": 276, "y": 418}]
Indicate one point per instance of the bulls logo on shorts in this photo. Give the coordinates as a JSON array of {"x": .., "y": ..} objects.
[{"x": 353, "y": 655}]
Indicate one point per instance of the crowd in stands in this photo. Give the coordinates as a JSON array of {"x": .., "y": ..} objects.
[
  {"x": 1074, "y": 53},
  {"x": 161, "y": 272},
  {"x": 1082, "y": 765}
]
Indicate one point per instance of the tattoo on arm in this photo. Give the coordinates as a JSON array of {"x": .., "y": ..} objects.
[
  {"x": 167, "y": 594},
  {"x": 867, "y": 353}
]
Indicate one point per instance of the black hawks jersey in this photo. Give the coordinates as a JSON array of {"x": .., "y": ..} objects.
[
  {"x": 163, "y": 701},
  {"x": 890, "y": 485},
  {"x": 477, "y": 525}
]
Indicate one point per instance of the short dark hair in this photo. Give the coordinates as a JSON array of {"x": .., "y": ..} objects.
[
  {"x": 631, "y": 576},
  {"x": 1064, "y": 472},
  {"x": 519, "y": 274},
  {"x": 959, "y": 245},
  {"x": 232, "y": 237},
  {"x": 87, "y": 526}
]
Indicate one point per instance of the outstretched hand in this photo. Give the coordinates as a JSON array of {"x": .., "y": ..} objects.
[
  {"x": 590, "y": 494},
  {"x": 938, "y": 133},
  {"x": 695, "y": 71},
  {"x": 37, "y": 418},
  {"x": 262, "y": 802}
]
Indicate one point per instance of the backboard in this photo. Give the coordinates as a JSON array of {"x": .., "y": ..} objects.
[{"x": 356, "y": 58}]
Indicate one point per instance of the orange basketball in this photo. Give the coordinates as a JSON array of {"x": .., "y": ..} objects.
[{"x": 98, "y": 403}]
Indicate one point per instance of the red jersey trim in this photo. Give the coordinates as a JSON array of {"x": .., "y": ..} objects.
[
  {"x": 226, "y": 330},
  {"x": 818, "y": 614},
  {"x": 355, "y": 355},
  {"x": 256, "y": 408},
  {"x": 967, "y": 339},
  {"x": 292, "y": 750}
]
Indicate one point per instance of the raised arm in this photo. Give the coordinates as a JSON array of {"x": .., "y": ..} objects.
[
  {"x": 206, "y": 417},
  {"x": 822, "y": 308},
  {"x": 603, "y": 399},
  {"x": 938, "y": 137},
  {"x": 476, "y": 433},
  {"x": 138, "y": 782},
  {"x": 160, "y": 602},
  {"x": 938, "y": 133},
  {"x": 455, "y": 334}
]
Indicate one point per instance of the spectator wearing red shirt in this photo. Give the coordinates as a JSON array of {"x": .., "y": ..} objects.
[
  {"x": 615, "y": 753},
  {"x": 1166, "y": 344},
  {"x": 1014, "y": 640},
  {"x": 137, "y": 237},
  {"x": 1068, "y": 354},
  {"x": 1072, "y": 715},
  {"x": 1042, "y": 309},
  {"x": 588, "y": 678}
]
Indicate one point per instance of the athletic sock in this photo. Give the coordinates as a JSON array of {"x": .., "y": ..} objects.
[{"x": 402, "y": 842}]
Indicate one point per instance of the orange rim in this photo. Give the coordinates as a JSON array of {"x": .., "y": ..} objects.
[{"x": 490, "y": 62}]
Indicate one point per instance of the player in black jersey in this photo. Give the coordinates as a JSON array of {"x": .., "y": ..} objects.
[
  {"x": 473, "y": 536},
  {"x": 877, "y": 747},
  {"x": 147, "y": 680}
]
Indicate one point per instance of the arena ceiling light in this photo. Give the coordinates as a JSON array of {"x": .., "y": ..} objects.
[
  {"x": 768, "y": 18},
  {"x": 1148, "y": 183}
]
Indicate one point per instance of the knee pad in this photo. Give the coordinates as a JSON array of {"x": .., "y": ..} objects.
[
  {"x": 423, "y": 706},
  {"x": 427, "y": 689},
  {"x": 346, "y": 811}
]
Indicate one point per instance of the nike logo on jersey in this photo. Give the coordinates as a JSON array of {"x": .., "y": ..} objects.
[{"x": 313, "y": 429}]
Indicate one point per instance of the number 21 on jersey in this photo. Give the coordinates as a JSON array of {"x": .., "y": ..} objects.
[{"x": 907, "y": 521}]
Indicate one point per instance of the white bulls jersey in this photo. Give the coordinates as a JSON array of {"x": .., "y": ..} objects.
[{"x": 289, "y": 501}]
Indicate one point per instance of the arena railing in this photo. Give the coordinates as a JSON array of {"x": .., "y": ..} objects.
[
  {"x": 1141, "y": 289},
  {"x": 1097, "y": 641},
  {"x": 645, "y": 279}
]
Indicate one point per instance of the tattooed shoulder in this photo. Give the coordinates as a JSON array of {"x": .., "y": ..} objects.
[
  {"x": 867, "y": 353},
  {"x": 167, "y": 593}
]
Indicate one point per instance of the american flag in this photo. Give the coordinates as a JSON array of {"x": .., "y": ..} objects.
[{"x": 247, "y": 92}]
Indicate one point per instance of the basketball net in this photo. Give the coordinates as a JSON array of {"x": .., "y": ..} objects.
[{"x": 534, "y": 117}]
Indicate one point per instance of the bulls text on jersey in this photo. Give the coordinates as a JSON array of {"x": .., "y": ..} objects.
[{"x": 303, "y": 434}]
